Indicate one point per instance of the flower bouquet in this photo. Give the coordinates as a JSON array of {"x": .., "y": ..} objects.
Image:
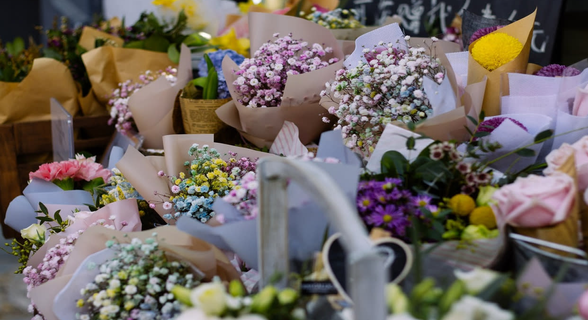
[
  {"x": 202, "y": 96},
  {"x": 136, "y": 268},
  {"x": 22, "y": 70},
  {"x": 501, "y": 51},
  {"x": 279, "y": 84},
  {"x": 70, "y": 182}
]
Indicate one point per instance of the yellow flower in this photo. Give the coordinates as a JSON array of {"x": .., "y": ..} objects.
[
  {"x": 129, "y": 305},
  {"x": 164, "y": 3},
  {"x": 80, "y": 303},
  {"x": 461, "y": 204},
  {"x": 495, "y": 50},
  {"x": 110, "y": 293},
  {"x": 483, "y": 216},
  {"x": 194, "y": 167},
  {"x": 178, "y": 181},
  {"x": 182, "y": 175},
  {"x": 229, "y": 41}
]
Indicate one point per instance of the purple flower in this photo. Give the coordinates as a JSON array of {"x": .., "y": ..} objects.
[
  {"x": 493, "y": 123},
  {"x": 557, "y": 70},
  {"x": 390, "y": 218},
  {"x": 421, "y": 201},
  {"x": 482, "y": 32}
]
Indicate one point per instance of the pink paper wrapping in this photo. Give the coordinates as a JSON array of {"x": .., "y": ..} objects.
[
  {"x": 152, "y": 106},
  {"x": 142, "y": 171},
  {"x": 204, "y": 256},
  {"x": 124, "y": 210},
  {"x": 300, "y": 102}
]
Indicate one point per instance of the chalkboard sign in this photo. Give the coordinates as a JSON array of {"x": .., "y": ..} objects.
[{"x": 417, "y": 13}]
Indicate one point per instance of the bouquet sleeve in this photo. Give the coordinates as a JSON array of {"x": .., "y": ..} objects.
[
  {"x": 522, "y": 30},
  {"x": 300, "y": 102},
  {"x": 28, "y": 100}
]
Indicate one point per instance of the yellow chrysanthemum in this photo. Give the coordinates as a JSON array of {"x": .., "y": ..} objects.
[
  {"x": 495, "y": 50},
  {"x": 461, "y": 204},
  {"x": 164, "y": 3},
  {"x": 483, "y": 216}
]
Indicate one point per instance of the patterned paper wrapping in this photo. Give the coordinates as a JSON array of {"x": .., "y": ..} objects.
[
  {"x": 199, "y": 115},
  {"x": 300, "y": 102},
  {"x": 479, "y": 253}
]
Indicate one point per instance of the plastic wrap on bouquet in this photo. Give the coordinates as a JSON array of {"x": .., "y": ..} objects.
[
  {"x": 572, "y": 107},
  {"x": 300, "y": 101},
  {"x": 522, "y": 30},
  {"x": 142, "y": 171},
  {"x": 204, "y": 256},
  {"x": 108, "y": 66},
  {"x": 28, "y": 100},
  {"x": 152, "y": 106},
  {"x": 512, "y": 137},
  {"x": 307, "y": 223},
  {"x": 21, "y": 211}
]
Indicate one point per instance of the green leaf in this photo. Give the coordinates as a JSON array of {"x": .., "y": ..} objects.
[
  {"x": 482, "y": 116},
  {"x": 57, "y": 217},
  {"x": 135, "y": 44},
  {"x": 43, "y": 208},
  {"x": 90, "y": 185},
  {"x": 44, "y": 219},
  {"x": 526, "y": 152},
  {"x": 15, "y": 47},
  {"x": 157, "y": 43},
  {"x": 50, "y": 53},
  {"x": 195, "y": 40},
  {"x": 210, "y": 91},
  {"x": 410, "y": 142},
  {"x": 481, "y": 134},
  {"x": 474, "y": 121},
  {"x": 394, "y": 164},
  {"x": 543, "y": 135},
  {"x": 173, "y": 53},
  {"x": 199, "y": 82},
  {"x": 65, "y": 184},
  {"x": 411, "y": 126}
]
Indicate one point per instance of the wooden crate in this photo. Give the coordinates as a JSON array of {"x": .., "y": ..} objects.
[{"x": 26, "y": 145}]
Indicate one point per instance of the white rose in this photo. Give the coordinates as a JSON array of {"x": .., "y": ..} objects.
[
  {"x": 210, "y": 298},
  {"x": 473, "y": 308},
  {"x": 34, "y": 232},
  {"x": 477, "y": 279},
  {"x": 195, "y": 314}
]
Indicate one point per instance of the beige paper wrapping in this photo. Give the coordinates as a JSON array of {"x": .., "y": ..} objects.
[
  {"x": 28, "y": 100},
  {"x": 142, "y": 171},
  {"x": 523, "y": 31},
  {"x": 300, "y": 103},
  {"x": 108, "y": 66},
  {"x": 152, "y": 106},
  {"x": 90, "y": 35},
  {"x": 199, "y": 115},
  {"x": 564, "y": 233},
  {"x": 308, "y": 4},
  {"x": 207, "y": 258},
  {"x": 353, "y": 34}
]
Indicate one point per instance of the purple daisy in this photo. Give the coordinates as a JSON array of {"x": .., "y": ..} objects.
[
  {"x": 421, "y": 201},
  {"x": 390, "y": 218}
]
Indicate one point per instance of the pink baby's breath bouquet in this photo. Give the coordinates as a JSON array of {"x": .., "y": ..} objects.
[
  {"x": 120, "y": 114},
  {"x": 79, "y": 173},
  {"x": 282, "y": 80},
  {"x": 386, "y": 86}
]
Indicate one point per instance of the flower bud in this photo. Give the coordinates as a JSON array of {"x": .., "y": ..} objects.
[
  {"x": 452, "y": 295},
  {"x": 264, "y": 300},
  {"x": 419, "y": 291},
  {"x": 34, "y": 232},
  {"x": 397, "y": 300},
  {"x": 236, "y": 289},
  {"x": 287, "y": 296},
  {"x": 182, "y": 294}
]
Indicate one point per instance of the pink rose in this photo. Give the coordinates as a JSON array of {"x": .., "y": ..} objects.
[
  {"x": 535, "y": 201},
  {"x": 47, "y": 172},
  {"x": 557, "y": 157},
  {"x": 583, "y": 305}
]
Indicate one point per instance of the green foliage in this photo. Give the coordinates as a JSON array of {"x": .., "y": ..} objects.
[
  {"x": 16, "y": 61},
  {"x": 204, "y": 87}
]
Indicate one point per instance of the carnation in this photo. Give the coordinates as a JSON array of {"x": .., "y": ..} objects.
[
  {"x": 386, "y": 87},
  {"x": 120, "y": 114},
  {"x": 262, "y": 78},
  {"x": 557, "y": 70}
]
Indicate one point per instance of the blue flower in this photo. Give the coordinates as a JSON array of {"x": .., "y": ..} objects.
[{"x": 217, "y": 60}]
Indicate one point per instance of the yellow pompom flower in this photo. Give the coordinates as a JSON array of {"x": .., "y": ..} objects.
[
  {"x": 461, "y": 204},
  {"x": 80, "y": 303},
  {"x": 483, "y": 216},
  {"x": 495, "y": 50}
]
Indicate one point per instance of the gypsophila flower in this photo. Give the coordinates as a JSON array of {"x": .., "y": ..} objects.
[
  {"x": 282, "y": 57},
  {"x": 130, "y": 286},
  {"x": 386, "y": 87},
  {"x": 120, "y": 114},
  {"x": 336, "y": 19}
]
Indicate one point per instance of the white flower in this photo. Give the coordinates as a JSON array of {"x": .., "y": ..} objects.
[
  {"x": 278, "y": 67},
  {"x": 34, "y": 232},
  {"x": 473, "y": 308},
  {"x": 418, "y": 94},
  {"x": 253, "y": 82},
  {"x": 210, "y": 298},
  {"x": 114, "y": 284},
  {"x": 130, "y": 289},
  {"x": 167, "y": 205},
  {"x": 241, "y": 81},
  {"x": 477, "y": 279},
  {"x": 403, "y": 316}
]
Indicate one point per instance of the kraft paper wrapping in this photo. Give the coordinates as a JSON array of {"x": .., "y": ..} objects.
[
  {"x": 142, "y": 171},
  {"x": 90, "y": 106},
  {"x": 108, "y": 66},
  {"x": 204, "y": 256},
  {"x": 153, "y": 105},
  {"x": 90, "y": 35},
  {"x": 523, "y": 31},
  {"x": 353, "y": 34},
  {"x": 28, "y": 100},
  {"x": 565, "y": 233},
  {"x": 308, "y": 4},
  {"x": 199, "y": 115},
  {"x": 300, "y": 102}
]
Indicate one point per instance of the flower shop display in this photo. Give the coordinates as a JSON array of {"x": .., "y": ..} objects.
[
  {"x": 290, "y": 92},
  {"x": 505, "y": 50},
  {"x": 202, "y": 96}
]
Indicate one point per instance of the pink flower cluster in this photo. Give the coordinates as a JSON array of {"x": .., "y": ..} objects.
[
  {"x": 81, "y": 168},
  {"x": 46, "y": 270},
  {"x": 262, "y": 79},
  {"x": 119, "y": 98},
  {"x": 244, "y": 196},
  {"x": 238, "y": 167}
]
